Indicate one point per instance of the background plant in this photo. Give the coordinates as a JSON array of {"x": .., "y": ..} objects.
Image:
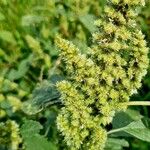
[{"x": 27, "y": 53}]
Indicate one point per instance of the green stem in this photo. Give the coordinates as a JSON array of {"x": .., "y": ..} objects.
[
  {"x": 115, "y": 130},
  {"x": 138, "y": 103}
]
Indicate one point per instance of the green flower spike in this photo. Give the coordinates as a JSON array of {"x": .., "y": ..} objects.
[
  {"x": 9, "y": 135},
  {"x": 100, "y": 83}
]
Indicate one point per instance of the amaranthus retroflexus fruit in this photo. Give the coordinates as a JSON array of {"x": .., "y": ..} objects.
[{"x": 100, "y": 82}]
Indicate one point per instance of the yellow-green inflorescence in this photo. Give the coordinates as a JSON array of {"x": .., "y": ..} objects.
[
  {"x": 9, "y": 135},
  {"x": 99, "y": 83}
]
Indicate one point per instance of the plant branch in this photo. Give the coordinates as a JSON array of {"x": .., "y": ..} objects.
[
  {"x": 138, "y": 103},
  {"x": 53, "y": 69}
]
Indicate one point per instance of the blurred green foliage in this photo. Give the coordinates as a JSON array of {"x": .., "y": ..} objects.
[
  {"x": 27, "y": 32},
  {"x": 27, "y": 52},
  {"x": 28, "y": 56}
]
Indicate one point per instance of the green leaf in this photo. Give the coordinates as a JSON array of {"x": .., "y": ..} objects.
[
  {"x": 31, "y": 19},
  {"x": 7, "y": 36},
  {"x": 30, "y": 127},
  {"x": 2, "y": 17},
  {"x": 122, "y": 119},
  {"x": 116, "y": 144},
  {"x": 131, "y": 123},
  {"x": 22, "y": 69},
  {"x": 83, "y": 46},
  {"x": 137, "y": 129},
  {"x": 46, "y": 94},
  {"x": 32, "y": 139},
  {"x": 87, "y": 21},
  {"x": 24, "y": 66},
  {"x": 54, "y": 78}
]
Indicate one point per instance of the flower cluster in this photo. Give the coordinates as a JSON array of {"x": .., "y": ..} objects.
[
  {"x": 10, "y": 100},
  {"x": 9, "y": 135},
  {"x": 100, "y": 82}
]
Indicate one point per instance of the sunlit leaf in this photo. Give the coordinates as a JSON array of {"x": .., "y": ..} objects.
[{"x": 32, "y": 139}]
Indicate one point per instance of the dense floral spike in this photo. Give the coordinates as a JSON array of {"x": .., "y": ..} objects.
[
  {"x": 76, "y": 121},
  {"x": 9, "y": 135},
  {"x": 120, "y": 49},
  {"x": 101, "y": 81}
]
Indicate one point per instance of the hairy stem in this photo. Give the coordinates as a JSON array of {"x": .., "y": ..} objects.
[{"x": 138, "y": 103}]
